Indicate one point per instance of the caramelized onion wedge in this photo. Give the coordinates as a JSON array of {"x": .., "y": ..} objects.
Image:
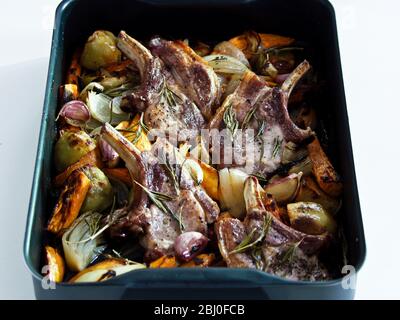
[
  {"x": 189, "y": 244},
  {"x": 285, "y": 189},
  {"x": 106, "y": 270}
]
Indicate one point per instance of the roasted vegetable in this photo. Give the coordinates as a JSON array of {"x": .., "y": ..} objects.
[
  {"x": 201, "y": 261},
  {"x": 100, "y": 194},
  {"x": 75, "y": 113},
  {"x": 100, "y": 51},
  {"x": 105, "y": 109},
  {"x": 90, "y": 159},
  {"x": 310, "y": 191},
  {"x": 325, "y": 174},
  {"x": 249, "y": 42},
  {"x": 71, "y": 147},
  {"x": 67, "y": 92},
  {"x": 55, "y": 264},
  {"x": 105, "y": 270},
  {"x": 164, "y": 262},
  {"x": 82, "y": 241},
  {"x": 74, "y": 70},
  {"x": 189, "y": 244},
  {"x": 108, "y": 154},
  {"x": 227, "y": 65},
  {"x": 231, "y": 187},
  {"x": 310, "y": 218},
  {"x": 135, "y": 132},
  {"x": 285, "y": 189},
  {"x": 121, "y": 174},
  {"x": 210, "y": 180},
  {"x": 69, "y": 202}
]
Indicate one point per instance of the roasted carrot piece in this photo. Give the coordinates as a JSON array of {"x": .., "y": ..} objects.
[
  {"x": 69, "y": 202},
  {"x": 326, "y": 176},
  {"x": 55, "y": 264},
  {"x": 201, "y": 261},
  {"x": 121, "y": 174},
  {"x": 91, "y": 158},
  {"x": 74, "y": 70},
  {"x": 164, "y": 262}
]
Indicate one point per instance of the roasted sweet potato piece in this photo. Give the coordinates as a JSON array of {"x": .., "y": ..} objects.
[
  {"x": 210, "y": 180},
  {"x": 67, "y": 92},
  {"x": 55, "y": 264},
  {"x": 164, "y": 262},
  {"x": 130, "y": 131},
  {"x": 121, "y": 174},
  {"x": 325, "y": 174},
  {"x": 74, "y": 70},
  {"x": 92, "y": 158},
  {"x": 69, "y": 202},
  {"x": 201, "y": 261},
  {"x": 266, "y": 41}
]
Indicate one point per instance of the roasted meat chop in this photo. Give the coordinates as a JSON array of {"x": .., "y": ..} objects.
[
  {"x": 256, "y": 106},
  {"x": 178, "y": 89},
  {"x": 280, "y": 249},
  {"x": 184, "y": 205}
]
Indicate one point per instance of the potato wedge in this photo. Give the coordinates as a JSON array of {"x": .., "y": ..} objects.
[
  {"x": 70, "y": 202},
  {"x": 311, "y": 192},
  {"x": 105, "y": 270},
  {"x": 310, "y": 218},
  {"x": 55, "y": 264},
  {"x": 201, "y": 261},
  {"x": 325, "y": 174},
  {"x": 164, "y": 262},
  {"x": 92, "y": 158}
]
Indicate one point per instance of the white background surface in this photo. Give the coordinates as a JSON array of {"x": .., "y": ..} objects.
[{"x": 370, "y": 46}]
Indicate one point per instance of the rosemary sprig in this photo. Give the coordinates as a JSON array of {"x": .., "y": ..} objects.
[
  {"x": 140, "y": 127},
  {"x": 230, "y": 120},
  {"x": 94, "y": 226},
  {"x": 172, "y": 172},
  {"x": 290, "y": 252},
  {"x": 171, "y": 97},
  {"x": 261, "y": 128},
  {"x": 247, "y": 243},
  {"x": 277, "y": 147},
  {"x": 219, "y": 58},
  {"x": 159, "y": 199},
  {"x": 260, "y": 177},
  {"x": 248, "y": 117}
]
